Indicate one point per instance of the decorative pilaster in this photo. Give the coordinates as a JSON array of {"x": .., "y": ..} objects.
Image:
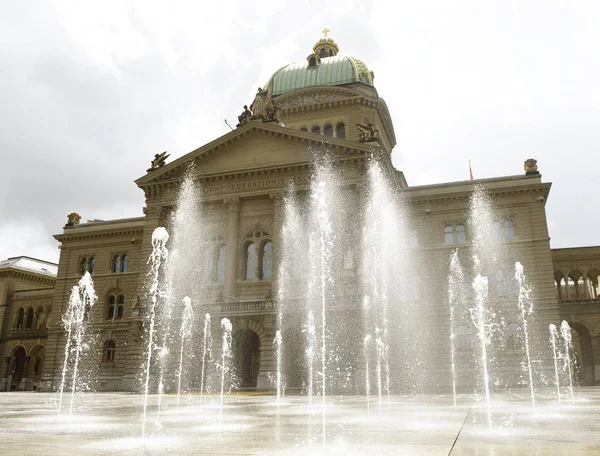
[
  {"x": 231, "y": 261},
  {"x": 277, "y": 229}
]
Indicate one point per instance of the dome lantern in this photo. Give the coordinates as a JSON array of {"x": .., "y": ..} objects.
[{"x": 326, "y": 47}]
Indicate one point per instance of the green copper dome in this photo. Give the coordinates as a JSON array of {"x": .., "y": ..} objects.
[{"x": 324, "y": 67}]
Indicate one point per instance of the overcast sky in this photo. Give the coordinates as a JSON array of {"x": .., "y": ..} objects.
[{"x": 88, "y": 95}]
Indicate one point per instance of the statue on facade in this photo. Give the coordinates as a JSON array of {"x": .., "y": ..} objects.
[
  {"x": 158, "y": 161},
  {"x": 73, "y": 219},
  {"x": 530, "y": 167},
  {"x": 244, "y": 117},
  {"x": 272, "y": 115},
  {"x": 367, "y": 133},
  {"x": 260, "y": 104}
]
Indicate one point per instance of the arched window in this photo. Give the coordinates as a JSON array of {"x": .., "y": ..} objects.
[
  {"x": 116, "y": 263},
  {"x": 110, "y": 308},
  {"x": 114, "y": 306},
  {"x": 448, "y": 235},
  {"x": 312, "y": 62},
  {"x": 124, "y": 259},
  {"x": 221, "y": 262},
  {"x": 267, "y": 260},
  {"x": 109, "y": 351},
  {"x": 460, "y": 234},
  {"x": 304, "y": 129},
  {"x": 328, "y": 130},
  {"x": 120, "y": 305},
  {"x": 20, "y": 317},
  {"x": 509, "y": 230},
  {"x": 90, "y": 265},
  {"x": 29, "y": 321},
  {"x": 83, "y": 266},
  {"x": 576, "y": 285},
  {"x": 259, "y": 256},
  {"x": 340, "y": 131},
  {"x": 38, "y": 321},
  {"x": 250, "y": 261},
  {"x": 316, "y": 129}
]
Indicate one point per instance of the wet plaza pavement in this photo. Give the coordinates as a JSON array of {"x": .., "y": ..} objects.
[{"x": 110, "y": 423}]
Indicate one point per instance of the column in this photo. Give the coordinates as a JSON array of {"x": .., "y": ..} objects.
[
  {"x": 231, "y": 261},
  {"x": 277, "y": 224},
  {"x": 268, "y": 360},
  {"x": 588, "y": 287}
]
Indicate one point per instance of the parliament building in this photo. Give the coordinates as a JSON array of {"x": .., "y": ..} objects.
[{"x": 327, "y": 100}]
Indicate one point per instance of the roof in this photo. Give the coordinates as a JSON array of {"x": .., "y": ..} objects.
[
  {"x": 336, "y": 70},
  {"x": 29, "y": 264}
]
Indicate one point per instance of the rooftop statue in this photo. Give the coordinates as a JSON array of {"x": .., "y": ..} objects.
[
  {"x": 73, "y": 219},
  {"x": 158, "y": 161},
  {"x": 260, "y": 103},
  {"x": 263, "y": 107},
  {"x": 367, "y": 133},
  {"x": 530, "y": 167},
  {"x": 244, "y": 117}
]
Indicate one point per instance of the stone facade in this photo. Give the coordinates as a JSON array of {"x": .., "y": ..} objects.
[
  {"x": 242, "y": 176},
  {"x": 26, "y": 298},
  {"x": 576, "y": 272}
]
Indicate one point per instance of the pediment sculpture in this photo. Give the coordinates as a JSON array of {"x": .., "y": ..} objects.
[
  {"x": 262, "y": 108},
  {"x": 158, "y": 161}
]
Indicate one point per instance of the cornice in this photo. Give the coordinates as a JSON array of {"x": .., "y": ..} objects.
[
  {"x": 543, "y": 188},
  {"x": 29, "y": 276},
  {"x": 90, "y": 233},
  {"x": 163, "y": 193}
]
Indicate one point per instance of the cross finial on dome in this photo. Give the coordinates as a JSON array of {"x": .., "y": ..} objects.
[{"x": 325, "y": 32}]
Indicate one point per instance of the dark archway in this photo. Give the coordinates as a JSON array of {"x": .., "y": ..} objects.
[
  {"x": 246, "y": 357},
  {"x": 18, "y": 368},
  {"x": 582, "y": 344}
]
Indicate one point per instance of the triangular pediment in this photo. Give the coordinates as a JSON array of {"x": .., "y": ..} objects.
[{"x": 253, "y": 147}]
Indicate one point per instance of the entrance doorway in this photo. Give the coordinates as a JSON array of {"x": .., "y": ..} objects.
[
  {"x": 246, "y": 357},
  {"x": 18, "y": 368}
]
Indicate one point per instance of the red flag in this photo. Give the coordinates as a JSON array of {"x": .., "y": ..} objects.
[{"x": 470, "y": 170}]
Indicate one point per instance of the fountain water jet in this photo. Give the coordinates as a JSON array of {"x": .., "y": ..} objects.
[
  {"x": 526, "y": 309},
  {"x": 480, "y": 284},
  {"x": 311, "y": 336},
  {"x": 277, "y": 342},
  {"x": 555, "y": 355},
  {"x": 159, "y": 255},
  {"x": 565, "y": 332},
  {"x": 366, "y": 342},
  {"x": 380, "y": 346},
  {"x": 226, "y": 327},
  {"x": 81, "y": 301},
  {"x": 455, "y": 292},
  {"x": 185, "y": 333},
  {"x": 206, "y": 346}
]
